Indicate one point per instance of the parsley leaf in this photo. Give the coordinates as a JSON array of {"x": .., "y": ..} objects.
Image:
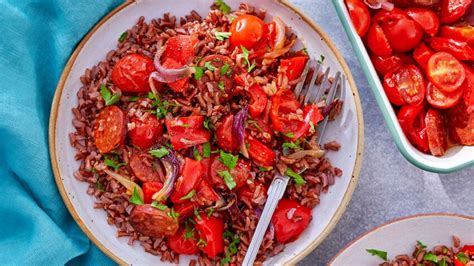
[
  {"x": 206, "y": 150},
  {"x": 220, "y": 35},
  {"x": 196, "y": 154},
  {"x": 223, "y": 6},
  {"x": 201, "y": 243},
  {"x": 173, "y": 214},
  {"x": 289, "y": 135},
  {"x": 113, "y": 164},
  {"x": 229, "y": 180},
  {"x": 189, "y": 232},
  {"x": 107, "y": 96},
  {"x": 162, "y": 106},
  {"x": 198, "y": 216},
  {"x": 291, "y": 145},
  {"x": 136, "y": 198},
  {"x": 123, "y": 36},
  {"x": 296, "y": 177},
  {"x": 421, "y": 244},
  {"x": 159, "y": 153},
  {"x": 461, "y": 256},
  {"x": 198, "y": 72},
  {"x": 264, "y": 169},
  {"x": 189, "y": 195},
  {"x": 246, "y": 58},
  {"x": 228, "y": 159},
  {"x": 99, "y": 185},
  {"x": 224, "y": 69},
  {"x": 251, "y": 67},
  {"x": 232, "y": 248},
  {"x": 442, "y": 262},
  {"x": 210, "y": 212},
  {"x": 133, "y": 98},
  {"x": 311, "y": 126},
  {"x": 321, "y": 59},
  {"x": 431, "y": 257},
  {"x": 159, "y": 206},
  {"x": 209, "y": 66},
  {"x": 206, "y": 122},
  {"x": 221, "y": 85},
  {"x": 380, "y": 253},
  {"x": 231, "y": 18}
]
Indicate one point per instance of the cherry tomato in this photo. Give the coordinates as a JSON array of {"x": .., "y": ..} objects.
[
  {"x": 187, "y": 132},
  {"x": 210, "y": 230},
  {"x": 422, "y": 54},
  {"x": 110, "y": 129},
  {"x": 240, "y": 173},
  {"x": 145, "y": 132},
  {"x": 385, "y": 64},
  {"x": 468, "y": 86},
  {"x": 131, "y": 73},
  {"x": 311, "y": 114},
  {"x": 445, "y": 71},
  {"x": 426, "y": 18},
  {"x": 436, "y": 132},
  {"x": 290, "y": 220},
  {"x": 181, "y": 48},
  {"x": 191, "y": 176},
  {"x": 453, "y": 10},
  {"x": 412, "y": 122},
  {"x": 403, "y": 34},
  {"x": 440, "y": 99},
  {"x": 459, "y": 49},
  {"x": 246, "y": 30},
  {"x": 468, "y": 250},
  {"x": 360, "y": 16},
  {"x": 460, "y": 33},
  {"x": 185, "y": 209},
  {"x": 377, "y": 41},
  {"x": 181, "y": 84},
  {"x": 260, "y": 154},
  {"x": 294, "y": 66},
  {"x": 460, "y": 124},
  {"x": 182, "y": 243},
  {"x": 258, "y": 100},
  {"x": 409, "y": 83},
  {"x": 270, "y": 35},
  {"x": 206, "y": 195},
  {"x": 150, "y": 188},
  {"x": 246, "y": 194},
  {"x": 283, "y": 103},
  {"x": 225, "y": 137}
]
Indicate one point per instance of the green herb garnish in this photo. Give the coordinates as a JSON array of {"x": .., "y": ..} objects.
[
  {"x": 173, "y": 214},
  {"x": 158, "y": 206},
  {"x": 159, "y": 153},
  {"x": 189, "y": 232},
  {"x": 223, "y": 6},
  {"x": 201, "y": 243},
  {"x": 123, "y": 36},
  {"x": 114, "y": 164},
  {"x": 209, "y": 66},
  {"x": 99, "y": 185},
  {"x": 196, "y": 154},
  {"x": 430, "y": 257},
  {"x": 232, "y": 248},
  {"x": 246, "y": 59},
  {"x": 461, "y": 256},
  {"x": 297, "y": 178},
  {"x": 220, "y": 35},
  {"x": 205, "y": 124},
  {"x": 198, "y": 72},
  {"x": 136, "y": 198},
  {"x": 198, "y": 216},
  {"x": 228, "y": 159},
  {"x": 231, "y": 18},
  {"x": 221, "y": 85},
  {"x": 228, "y": 179},
  {"x": 420, "y": 244},
  {"x": 133, "y": 98},
  {"x": 379, "y": 253},
  {"x": 311, "y": 126},
  {"x": 206, "y": 150},
  {"x": 321, "y": 59},
  {"x": 442, "y": 262},
  {"x": 107, "y": 96},
  {"x": 291, "y": 145},
  {"x": 210, "y": 212},
  {"x": 289, "y": 134},
  {"x": 264, "y": 169},
  {"x": 189, "y": 195},
  {"x": 224, "y": 69}
]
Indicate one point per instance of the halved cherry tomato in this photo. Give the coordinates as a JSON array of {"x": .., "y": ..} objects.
[
  {"x": 182, "y": 243},
  {"x": 377, "y": 41},
  {"x": 463, "y": 33},
  {"x": 459, "y": 49},
  {"x": 311, "y": 114},
  {"x": 240, "y": 173},
  {"x": 385, "y": 64},
  {"x": 225, "y": 137},
  {"x": 445, "y": 71},
  {"x": 181, "y": 48},
  {"x": 270, "y": 30},
  {"x": 260, "y": 154},
  {"x": 210, "y": 230},
  {"x": 131, "y": 73},
  {"x": 294, "y": 66},
  {"x": 440, "y": 99},
  {"x": 191, "y": 176},
  {"x": 110, "y": 129},
  {"x": 185, "y": 209},
  {"x": 468, "y": 87},
  {"x": 290, "y": 220},
  {"x": 181, "y": 84},
  {"x": 360, "y": 16},
  {"x": 187, "y": 132},
  {"x": 246, "y": 30},
  {"x": 436, "y": 132},
  {"x": 409, "y": 82},
  {"x": 453, "y": 10},
  {"x": 145, "y": 132},
  {"x": 390, "y": 86},
  {"x": 422, "y": 55},
  {"x": 412, "y": 122},
  {"x": 426, "y": 18},
  {"x": 258, "y": 100},
  {"x": 460, "y": 124},
  {"x": 206, "y": 195},
  {"x": 150, "y": 188},
  {"x": 283, "y": 102}
]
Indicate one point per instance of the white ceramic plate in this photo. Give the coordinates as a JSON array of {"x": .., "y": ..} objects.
[
  {"x": 456, "y": 158},
  {"x": 347, "y": 129},
  {"x": 400, "y": 236}
]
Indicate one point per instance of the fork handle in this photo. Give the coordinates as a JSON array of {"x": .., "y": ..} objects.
[{"x": 275, "y": 193}]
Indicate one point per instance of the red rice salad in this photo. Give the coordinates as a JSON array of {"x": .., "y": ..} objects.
[
  {"x": 181, "y": 129},
  {"x": 439, "y": 255}
]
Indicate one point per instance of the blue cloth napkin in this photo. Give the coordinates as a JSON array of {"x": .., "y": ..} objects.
[{"x": 36, "y": 39}]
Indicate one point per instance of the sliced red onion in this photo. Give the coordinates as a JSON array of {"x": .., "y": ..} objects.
[
  {"x": 168, "y": 75},
  {"x": 238, "y": 128},
  {"x": 222, "y": 205},
  {"x": 279, "y": 52},
  {"x": 126, "y": 182},
  {"x": 171, "y": 164},
  {"x": 280, "y": 30},
  {"x": 301, "y": 154}
]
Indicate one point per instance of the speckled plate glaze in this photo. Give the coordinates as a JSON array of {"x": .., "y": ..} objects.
[
  {"x": 347, "y": 129},
  {"x": 400, "y": 236},
  {"x": 456, "y": 158}
]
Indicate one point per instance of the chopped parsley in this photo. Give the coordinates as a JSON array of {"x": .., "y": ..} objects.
[
  {"x": 173, "y": 214},
  {"x": 221, "y": 85},
  {"x": 206, "y": 150},
  {"x": 201, "y": 243},
  {"x": 159, "y": 153},
  {"x": 379, "y": 253},
  {"x": 113, "y": 163},
  {"x": 133, "y": 98},
  {"x": 289, "y": 135},
  {"x": 430, "y": 257},
  {"x": 99, "y": 185},
  {"x": 461, "y": 256},
  {"x": 223, "y": 6},
  {"x": 228, "y": 179},
  {"x": 210, "y": 212},
  {"x": 291, "y": 145},
  {"x": 232, "y": 248},
  {"x": 198, "y": 72},
  {"x": 198, "y": 216},
  {"x": 245, "y": 52},
  {"x": 228, "y": 159},
  {"x": 197, "y": 155},
  {"x": 209, "y": 66},
  {"x": 158, "y": 206},
  {"x": 420, "y": 244},
  {"x": 161, "y": 106},
  {"x": 220, "y": 35},
  {"x": 189, "y": 232},
  {"x": 109, "y": 99},
  {"x": 123, "y": 36},
  {"x": 321, "y": 59},
  {"x": 224, "y": 69},
  {"x": 189, "y": 195},
  {"x": 297, "y": 178},
  {"x": 311, "y": 126},
  {"x": 264, "y": 169},
  {"x": 231, "y": 18},
  {"x": 136, "y": 198},
  {"x": 442, "y": 262},
  {"x": 205, "y": 124}
]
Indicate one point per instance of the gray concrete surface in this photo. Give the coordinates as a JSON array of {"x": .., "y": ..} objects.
[{"x": 389, "y": 186}]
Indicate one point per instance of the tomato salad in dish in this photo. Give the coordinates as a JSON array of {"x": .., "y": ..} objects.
[
  {"x": 181, "y": 129},
  {"x": 423, "y": 51}
]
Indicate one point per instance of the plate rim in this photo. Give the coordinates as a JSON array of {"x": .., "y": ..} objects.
[
  {"x": 394, "y": 221},
  {"x": 325, "y": 38}
]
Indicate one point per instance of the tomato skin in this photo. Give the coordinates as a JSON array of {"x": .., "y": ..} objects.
[
  {"x": 289, "y": 229},
  {"x": 283, "y": 102},
  {"x": 246, "y": 194},
  {"x": 360, "y": 16},
  {"x": 146, "y": 132},
  {"x": 185, "y": 209},
  {"x": 445, "y": 72},
  {"x": 294, "y": 66},
  {"x": 422, "y": 55},
  {"x": 426, "y": 18},
  {"x": 150, "y": 188},
  {"x": 436, "y": 132},
  {"x": 440, "y": 99},
  {"x": 246, "y": 30},
  {"x": 181, "y": 48},
  {"x": 191, "y": 176},
  {"x": 453, "y": 10},
  {"x": 377, "y": 41},
  {"x": 240, "y": 173},
  {"x": 260, "y": 153},
  {"x": 460, "y": 124},
  {"x": 258, "y": 100},
  {"x": 459, "y": 49},
  {"x": 181, "y": 84},
  {"x": 461, "y": 33},
  {"x": 412, "y": 122},
  {"x": 131, "y": 73},
  {"x": 189, "y": 129},
  {"x": 226, "y": 139},
  {"x": 206, "y": 195},
  {"x": 409, "y": 83},
  {"x": 110, "y": 129},
  {"x": 210, "y": 229},
  {"x": 468, "y": 86},
  {"x": 385, "y": 64},
  {"x": 390, "y": 88},
  {"x": 179, "y": 245},
  {"x": 403, "y": 34}
]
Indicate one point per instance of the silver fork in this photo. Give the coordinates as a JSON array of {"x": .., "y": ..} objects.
[{"x": 306, "y": 93}]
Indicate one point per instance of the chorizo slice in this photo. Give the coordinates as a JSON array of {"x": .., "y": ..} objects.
[
  {"x": 143, "y": 168},
  {"x": 110, "y": 129},
  {"x": 153, "y": 222}
]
